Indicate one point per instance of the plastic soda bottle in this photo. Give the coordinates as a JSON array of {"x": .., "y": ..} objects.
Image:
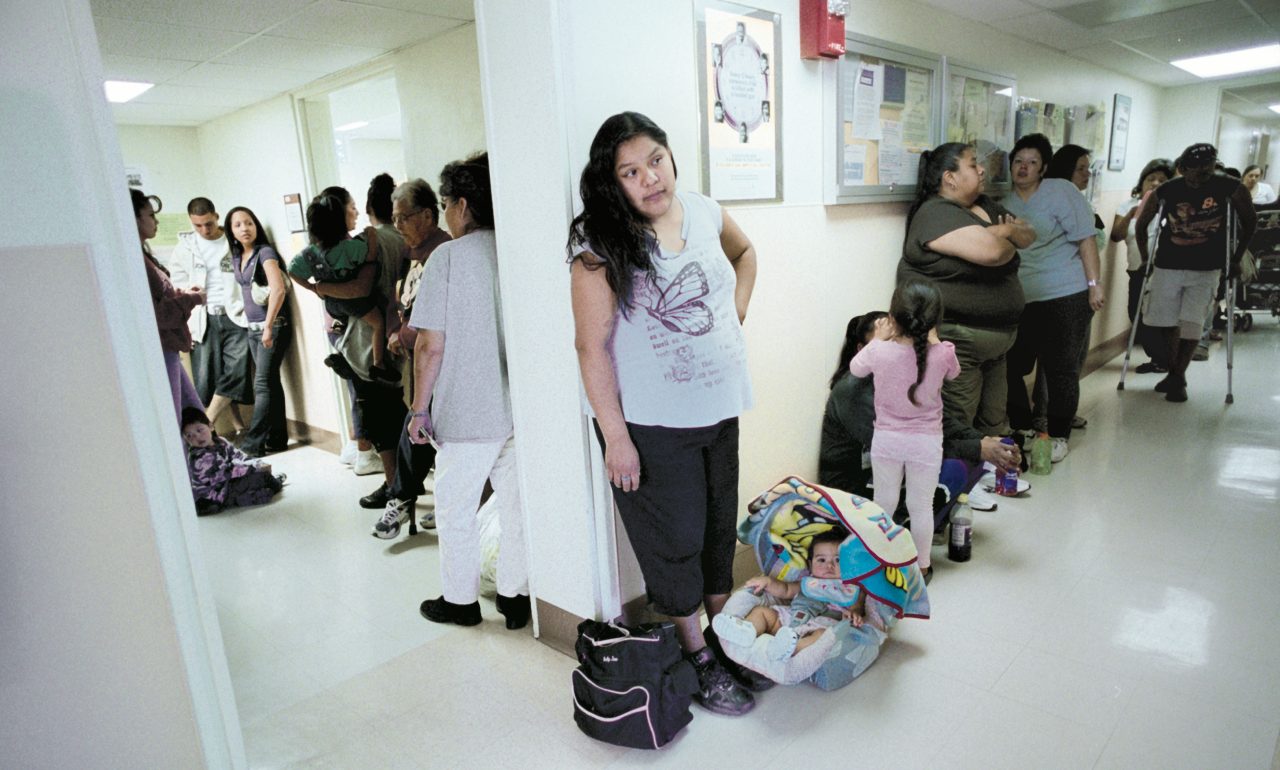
[
  {"x": 960, "y": 546},
  {"x": 1041, "y": 455},
  {"x": 1007, "y": 481}
]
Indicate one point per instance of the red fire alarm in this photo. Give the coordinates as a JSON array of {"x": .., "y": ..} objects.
[{"x": 822, "y": 28}]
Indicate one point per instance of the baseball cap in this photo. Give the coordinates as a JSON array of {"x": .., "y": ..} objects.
[{"x": 1198, "y": 155}]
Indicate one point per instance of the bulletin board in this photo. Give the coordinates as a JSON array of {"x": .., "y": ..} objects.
[
  {"x": 1040, "y": 117},
  {"x": 888, "y": 108},
  {"x": 980, "y": 111},
  {"x": 1087, "y": 127}
]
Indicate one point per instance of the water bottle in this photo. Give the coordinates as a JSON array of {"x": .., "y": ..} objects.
[
  {"x": 960, "y": 546},
  {"x": 1007, "y": 481},
  {"x": 1042, "y": 455}
]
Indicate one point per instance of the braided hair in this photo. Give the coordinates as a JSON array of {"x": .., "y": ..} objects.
[{"x": 916, "y": 308}]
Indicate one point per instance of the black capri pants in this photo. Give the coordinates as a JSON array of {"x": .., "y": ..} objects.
[{"x": 682, "y": 519}]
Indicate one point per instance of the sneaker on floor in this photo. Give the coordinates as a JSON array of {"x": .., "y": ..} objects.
[
  {"x": 1201, "y": 354},
  {"x": 719, "y": 692},
  {"x": 397, "y": 513},
  {"x": 753, "y": 681},
  {"x": 1060, "y": 450},
  {"x": 367, "y": 462},
  {"x": 377, "y": 498},
  {"x": 428, "y": 519},
  {"x": 1170, "y": 382},
  {"x": 1177, "y": 394},
  {"x": 980, "y": 500},
  {"x": 783, "y": 644},
  {"x": 734, "y": 630},
  {"x": 1079, "y": 423},
  {"x": 1150, "y": 367},
  {"x": 348, "y": 454}
]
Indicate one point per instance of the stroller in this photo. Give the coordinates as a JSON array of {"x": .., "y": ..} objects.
[
  {"x": 1260, "y": 292},
  {"x": 878, "y": 558}
]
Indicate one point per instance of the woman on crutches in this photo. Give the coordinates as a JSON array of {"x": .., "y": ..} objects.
[{"x": 1189, "y": 254}]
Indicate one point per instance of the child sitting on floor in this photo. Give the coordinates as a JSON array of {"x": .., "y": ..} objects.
[
  {"x": 812, "y": 606},
  {"x": 221, "y": 475},
  {"x": 335, "y": 258}
]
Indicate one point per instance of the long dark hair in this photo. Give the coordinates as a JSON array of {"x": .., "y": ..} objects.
[
  {"x": 614, "y": 231},
  {"x": 855, "y": 336},
  {"x": 469, "y": 179},
  {"x": 933, "y": 164},
  {"x": 916, "y": 308},
  {"x": 1158, "y": 165},
  {"x": 1063, "y": 163},
  {"x": 237, "y": 248},
  {"x": 140, "y": 199},
  {"x": 378, "y": 199},
  {"x": 327, "y": 219}
]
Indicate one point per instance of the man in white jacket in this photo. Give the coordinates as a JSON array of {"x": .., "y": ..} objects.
[{"x": 220, "y": 357}]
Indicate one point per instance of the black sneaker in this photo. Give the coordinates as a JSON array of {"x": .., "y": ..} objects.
[
  {"x": 1170, "y": 382},
  {"x": 441, "y": 611},
  {"x": 745, "y": 676},
  {"x": 340, "y": 367},
  {"x": 377, "y": 498},
  {"x": 1151, "y": 367},
  {"x": 717, "y": 690}
]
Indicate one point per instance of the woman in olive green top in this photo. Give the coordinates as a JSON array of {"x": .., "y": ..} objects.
[{"x": 967, "y": 244}]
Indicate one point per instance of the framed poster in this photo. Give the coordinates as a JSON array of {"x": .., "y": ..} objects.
[
  {"x": 980, "y": 111},
  {"x": 1119, "y": 132},
  {"x": 739, "y": 91}
]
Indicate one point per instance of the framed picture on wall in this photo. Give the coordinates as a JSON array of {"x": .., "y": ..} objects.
[
  {"x": 1119, "y": 132},
  {"x": 739, "y": 101}
]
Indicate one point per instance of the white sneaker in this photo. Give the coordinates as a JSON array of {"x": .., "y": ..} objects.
[
  {"x": 367, "y": 462},
  {"x": 428, "y": 519},
  {"x": 980, "y": 500},
  {"x": 1060, "y": 450},
  {"x": 397, "y": 512},
  {"x": 348, "y": 454}
]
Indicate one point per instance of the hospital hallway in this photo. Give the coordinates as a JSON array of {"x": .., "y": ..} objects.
[{"x": 1121, "y": 614}]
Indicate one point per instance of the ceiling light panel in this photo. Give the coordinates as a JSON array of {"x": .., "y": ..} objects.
[{"x": 1232, "y": 62}]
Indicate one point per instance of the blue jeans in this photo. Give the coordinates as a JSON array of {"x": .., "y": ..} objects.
[{"x": 268, "y": 430}]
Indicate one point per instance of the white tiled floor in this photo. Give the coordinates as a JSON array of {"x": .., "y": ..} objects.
[{"x": 1123, "y": 615}]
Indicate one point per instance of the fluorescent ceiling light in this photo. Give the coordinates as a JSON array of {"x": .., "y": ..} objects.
[
  {"x": 1275, "y": 108},
  {"x": 352, "y": 126},
  {"x": 1232, "y": 62},
  {"x": 1005, "y": 91},
  {"x": 121, "y": 91}
]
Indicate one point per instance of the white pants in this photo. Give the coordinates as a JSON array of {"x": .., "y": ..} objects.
[{"x": 461, "y": 470}]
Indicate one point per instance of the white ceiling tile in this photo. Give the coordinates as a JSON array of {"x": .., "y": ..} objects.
[
  {"x": 234, "y": 15},
  {"x": 1103, "y": 12},
  {"x": 1115, "y": 56},
  {"x": 1048, "y": 29},
  {"x": 218, "y": 75},
  {"x": 463, "y": 10},
  {"x": 1209, "y": 38},
  {"x": 116, "y": 67},
  {"x": 1187, "y": 23},
  {"x": 363, "y": 25},
  {"x": 163, "y": 41},
  {"x": 984, "y": 10},
  {"x": 204, "y": 96},
  {"x": 302, "y": 55}
]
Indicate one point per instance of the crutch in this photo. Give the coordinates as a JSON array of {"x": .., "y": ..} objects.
[
  {"x": 1231, "y": 298},
  {"x": 1142, "y": 296}
]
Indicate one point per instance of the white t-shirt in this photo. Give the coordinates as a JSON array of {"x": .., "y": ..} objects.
[
  {"x": 679, "y": 355},
  {"x": 1262, "y": 193},
  {"x": 459, "y": 296},
  {"x": 1131, "y": 238},
  {"x": 211, "y": 254}
]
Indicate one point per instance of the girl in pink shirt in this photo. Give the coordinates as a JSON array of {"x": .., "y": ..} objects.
[{"x": 909, "y": 364}]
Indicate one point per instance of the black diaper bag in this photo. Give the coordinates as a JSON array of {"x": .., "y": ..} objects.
[{"x": 633, "y": 687}]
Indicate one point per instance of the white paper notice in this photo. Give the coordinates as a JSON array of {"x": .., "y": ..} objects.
[
  {"x": 892, "y": 155},
  {"x": 868, "y": 93},
  {"x": 855, "y": 164}
]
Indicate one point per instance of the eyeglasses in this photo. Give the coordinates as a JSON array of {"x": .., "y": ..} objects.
[{"x": 396, "y": 219}]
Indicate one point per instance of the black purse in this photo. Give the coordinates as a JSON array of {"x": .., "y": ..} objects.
[{"x": 633, "y": 686}]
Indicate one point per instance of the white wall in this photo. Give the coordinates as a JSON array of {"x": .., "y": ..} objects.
[
  {"x": 440, "y": 102},
  {"x": 110, "y": 654},
  {"x": 170, "y": 158},
  {"x": 1188, "y": 115},
  {"x": 252, "y": 158},
  {"x": 819, "y": 264}
]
